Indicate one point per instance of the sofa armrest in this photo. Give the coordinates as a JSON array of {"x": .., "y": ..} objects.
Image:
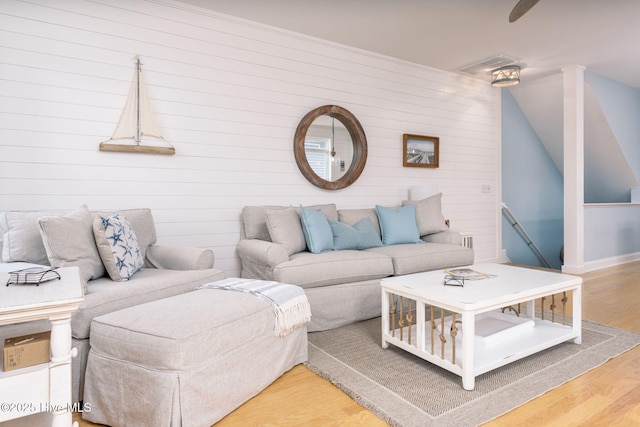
[
  {"x": 179, "y": 258},
  {"x": 261, "y": 252},
  {"x": 448, "y": 237},
  {"x": 259, "y": 258}
]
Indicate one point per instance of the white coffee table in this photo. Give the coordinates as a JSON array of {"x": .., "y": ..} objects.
[{"x": 504, "y": 337}]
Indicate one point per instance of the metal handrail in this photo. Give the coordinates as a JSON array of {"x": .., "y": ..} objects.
[{"x": 523, "y": 233}]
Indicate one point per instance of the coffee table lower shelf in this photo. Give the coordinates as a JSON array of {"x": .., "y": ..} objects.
[{"x": 543, "y": 335}]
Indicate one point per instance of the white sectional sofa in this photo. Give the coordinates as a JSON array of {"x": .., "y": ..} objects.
[
  {"x": 69, "y": 238},
  {"x": 340, "y": 267}
]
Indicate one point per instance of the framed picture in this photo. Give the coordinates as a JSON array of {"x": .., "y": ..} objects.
[{"x": 420, "y": 151}]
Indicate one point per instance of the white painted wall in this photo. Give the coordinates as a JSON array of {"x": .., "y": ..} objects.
[
  {"x": 532, "y": 188},
  {"x": 228, "y": 95},
  {"x": 612, "y": 234}
]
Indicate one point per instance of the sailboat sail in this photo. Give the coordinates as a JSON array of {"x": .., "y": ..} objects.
[{"x": 136, "y": 121}]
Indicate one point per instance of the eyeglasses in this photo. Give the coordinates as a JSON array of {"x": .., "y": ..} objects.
[{"x": 450, "y": 280}]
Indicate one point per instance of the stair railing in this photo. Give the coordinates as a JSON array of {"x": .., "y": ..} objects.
[{"x": 517, "y": 225}]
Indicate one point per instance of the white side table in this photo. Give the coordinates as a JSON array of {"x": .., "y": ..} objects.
[{"x": 43, "y": 391}]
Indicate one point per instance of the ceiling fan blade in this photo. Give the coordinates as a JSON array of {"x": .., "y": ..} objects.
[{"x": 521, "y": 8}]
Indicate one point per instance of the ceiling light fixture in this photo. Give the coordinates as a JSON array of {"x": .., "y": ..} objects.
[{"x": 509, "y": 75}]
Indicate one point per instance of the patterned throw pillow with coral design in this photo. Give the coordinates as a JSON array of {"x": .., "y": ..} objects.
[{"x": 118, "y": 246}]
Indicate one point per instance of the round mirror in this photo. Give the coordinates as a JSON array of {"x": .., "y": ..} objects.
[{"x": 330, "y": 147}]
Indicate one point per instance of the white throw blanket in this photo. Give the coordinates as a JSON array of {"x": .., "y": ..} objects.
[{"x": 289, "y": 302}]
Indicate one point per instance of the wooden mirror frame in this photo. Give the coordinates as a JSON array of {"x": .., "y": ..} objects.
[{"x": 358, "y": 139}]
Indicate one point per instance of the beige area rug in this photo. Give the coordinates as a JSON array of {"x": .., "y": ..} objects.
[{"x": 405, "y": 390}]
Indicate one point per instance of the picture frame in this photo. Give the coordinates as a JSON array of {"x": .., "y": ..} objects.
[{"x": 420, "y": 151}]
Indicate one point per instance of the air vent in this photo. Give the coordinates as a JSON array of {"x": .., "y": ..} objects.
[{"x": 488, "y": 64}]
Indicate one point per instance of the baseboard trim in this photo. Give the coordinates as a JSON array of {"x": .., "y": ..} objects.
[{"x": 599, "y": 264}]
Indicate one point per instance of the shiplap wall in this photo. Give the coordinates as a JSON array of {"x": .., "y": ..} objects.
[{"x": 228, "y": 94}]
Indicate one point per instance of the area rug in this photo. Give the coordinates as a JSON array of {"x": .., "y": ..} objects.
[{"x": 407, "y": 391}]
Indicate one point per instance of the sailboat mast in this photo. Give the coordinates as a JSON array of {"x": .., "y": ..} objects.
[{"x": 139, "y": 69}]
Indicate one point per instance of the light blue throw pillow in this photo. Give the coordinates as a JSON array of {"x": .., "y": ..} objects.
[
  {"x": 316, "y": 229},
  {"x": 398, "y": 225},
  {"x": 362, "y": 235}
]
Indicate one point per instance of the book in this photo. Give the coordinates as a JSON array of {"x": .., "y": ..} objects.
[
  {"x": 467, "y": 274},
  {"x": 32, "y": 275}
]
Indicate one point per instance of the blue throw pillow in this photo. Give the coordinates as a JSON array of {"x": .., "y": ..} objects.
[
  {"x": 316, "y": 229},
  {"x": 362, "y": 235},
  {"x": 398, "y": 225}
]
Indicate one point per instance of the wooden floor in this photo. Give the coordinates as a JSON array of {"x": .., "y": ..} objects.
[{"x": 606, "y": 396}]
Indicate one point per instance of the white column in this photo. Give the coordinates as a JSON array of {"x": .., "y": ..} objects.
[{"x": 573, "y": 108}]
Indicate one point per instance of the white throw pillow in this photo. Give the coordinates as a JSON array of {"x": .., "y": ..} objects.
[{"x": 118, "y": 246}]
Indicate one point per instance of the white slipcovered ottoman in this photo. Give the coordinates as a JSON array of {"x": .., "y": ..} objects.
[{"x": 186, "y": 360}]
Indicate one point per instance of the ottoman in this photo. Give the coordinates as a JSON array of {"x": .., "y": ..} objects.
[{"x": 186, "y": 360}]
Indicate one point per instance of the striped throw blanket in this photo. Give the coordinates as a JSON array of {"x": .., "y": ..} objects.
[{"x": 289, "y": 302}]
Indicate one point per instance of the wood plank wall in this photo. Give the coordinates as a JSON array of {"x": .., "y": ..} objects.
[{"x": 228, "y": 94}]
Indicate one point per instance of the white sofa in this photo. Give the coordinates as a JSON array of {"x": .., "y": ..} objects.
[
  {"x": 343, "y": 285},
  {"x": 70, "y": 239}
]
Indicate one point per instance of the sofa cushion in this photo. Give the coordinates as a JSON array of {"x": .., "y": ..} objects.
[
  {"x": 285, "y": 228},
  {"x": 21, "y": 239},
  {"x": 329, "y": 268},
  {"x": 414, "y": 258},
  {"x": 183, "y": 331},
  {"x": 285, "y": 225},
  {"x": 180, "y": 258},
  {"x": 429, "y": 214},
  {"x": 142, "y": 222},
  {"x": 362, "y": 235},
  {"x": 449, "y": 237},
  {"x": 354, "y": 216},
  {"x": 317, "y": 231},
  {"x": 329, "y": 210},
  {"x": 398, "y": 225},
  {"x": 69, "y": 241},
  {"x": 255, "y": 224},
  {"x": 118, "y": 246},
  {"x": 104, "y": 295}
]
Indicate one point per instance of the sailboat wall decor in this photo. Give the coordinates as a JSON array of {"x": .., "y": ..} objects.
[{"x": 138, "y": 121}]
